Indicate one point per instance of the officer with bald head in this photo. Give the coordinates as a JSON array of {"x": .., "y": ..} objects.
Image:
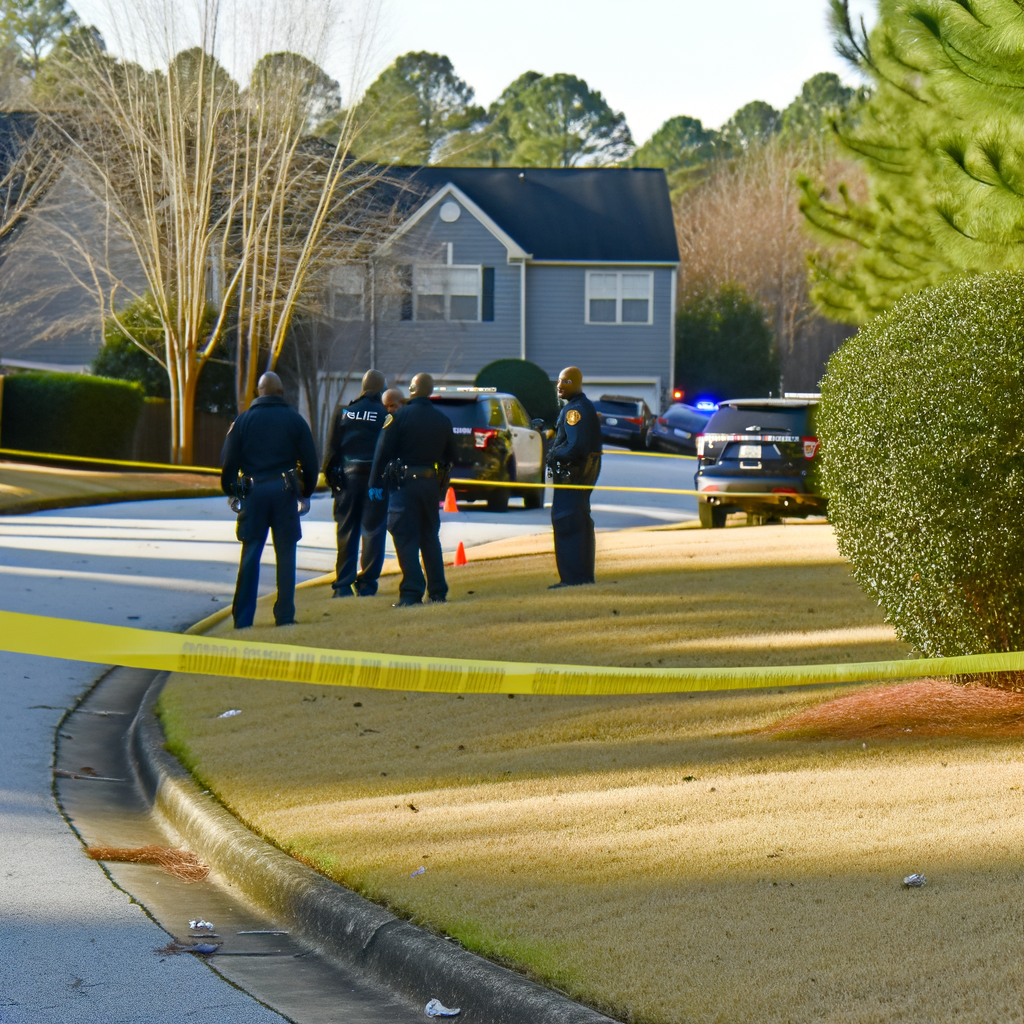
[
  {"x": 269, "y": 470},
  {"x": 415, "y": 453},
  {"x": 347, "y": 462},
  {"x": 574, "y": 458}
]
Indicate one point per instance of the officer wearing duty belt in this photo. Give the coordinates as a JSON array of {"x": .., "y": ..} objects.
[
  {"x": 574, "y": 458},
  {"x": 415, "y": 452},
  {"x": 259, "y": 473},
  {"x": 347, "y": 464}
]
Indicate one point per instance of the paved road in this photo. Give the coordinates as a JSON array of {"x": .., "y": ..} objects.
[{"x": 75, "y": 948}]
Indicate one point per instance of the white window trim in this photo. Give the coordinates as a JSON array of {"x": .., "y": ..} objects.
[
  {"x": 447, "y": 298},
  {"x": 336, "y": 291},
  {"x": 618, "y": 321}
]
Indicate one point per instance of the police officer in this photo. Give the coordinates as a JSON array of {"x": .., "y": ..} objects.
[
  {"x": 375, "y": 519},
  {"x": 574, "y": 458},
  {"x": 259, "y": 460},
  {"x": 416, "y": 449},
  {"x": 347, "y": 464}
]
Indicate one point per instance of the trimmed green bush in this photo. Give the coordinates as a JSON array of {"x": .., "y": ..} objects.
[
  {"x": 922, "y": 458},
  {"x": 121, "y": 359},
  {"x": 527, "y": 381},
  {"x": 70, "y": 414},
  {"x": 724, "y": 347}
]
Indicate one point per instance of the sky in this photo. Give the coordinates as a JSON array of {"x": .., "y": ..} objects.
[{"x": 651, "y": 59}]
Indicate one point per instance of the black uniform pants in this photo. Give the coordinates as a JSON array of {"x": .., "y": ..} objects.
[
  {"x": 574, "y": 536},
  {"x": 350, "y": 509},
  {"x": 414, "y": 521},
  {"x": 268, "y": 506}
]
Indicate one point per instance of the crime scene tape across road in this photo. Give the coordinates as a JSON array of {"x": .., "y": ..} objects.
[{"x": 240, "y": 659}]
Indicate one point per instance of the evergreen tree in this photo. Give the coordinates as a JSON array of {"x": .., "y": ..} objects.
[
  {"x": 755, "y": 122},
  {"x": 683, "y": 147},
  {"x": 941, "y": 139},
  {"x": 410, "y": 109},
  {"x": 35, "y": 26},
  {"x": 822, "y": 99}
]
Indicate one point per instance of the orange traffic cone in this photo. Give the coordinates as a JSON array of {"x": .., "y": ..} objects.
[
  {"x": 460, "y": 554},
  {"x": 450, "y": 505}
]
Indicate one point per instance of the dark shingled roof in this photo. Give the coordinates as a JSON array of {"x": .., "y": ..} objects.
[{"x": 585, "y": 214}]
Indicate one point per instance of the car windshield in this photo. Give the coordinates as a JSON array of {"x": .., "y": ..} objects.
[
  {"x": 484, "y": 412},
  {"x": 759, "y": 419},
  {"x": 686, "y": 419},
  {"x": 617, "y": 408}
]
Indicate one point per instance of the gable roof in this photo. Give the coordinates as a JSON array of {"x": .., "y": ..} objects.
[{"x": 576, "y": 215}]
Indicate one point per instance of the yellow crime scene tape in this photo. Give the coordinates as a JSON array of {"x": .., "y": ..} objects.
[{"x": 251, "y": 659}]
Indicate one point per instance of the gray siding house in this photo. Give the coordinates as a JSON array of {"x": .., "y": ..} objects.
[{"x": 556, "y": 266}]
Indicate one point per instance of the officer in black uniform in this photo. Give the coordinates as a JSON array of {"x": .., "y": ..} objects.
[
  {"x": 347, "y": 463},
  {"x": 375, "y": 519},
  {"x": 263, "y": 447},
  {"x": 574, "y": 458},
  {"x": 416, "y": 450}
]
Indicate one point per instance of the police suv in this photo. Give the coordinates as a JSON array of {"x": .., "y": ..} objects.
[
  {"x": 756, "y": 455},
  {"x": 494, "y": 440}
]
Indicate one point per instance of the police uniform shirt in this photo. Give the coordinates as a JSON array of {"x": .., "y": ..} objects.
[
  {"x": 355, "y": 431},
  {"x": 578, "y": 437},
  {"x": 417, "y": 435},
  {"x": 269, "y": 437}
]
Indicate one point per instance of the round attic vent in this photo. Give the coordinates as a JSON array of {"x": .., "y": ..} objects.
[{"x": 450, "y": 212}]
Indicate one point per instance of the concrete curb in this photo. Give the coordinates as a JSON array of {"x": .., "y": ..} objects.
[{"x": 391, "y": 951}]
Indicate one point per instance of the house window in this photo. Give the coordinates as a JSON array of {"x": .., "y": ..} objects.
[
  {"x": 446, "y": 292},
  {"x": 619, "y": 297},
  {"x": 347, "y": 287}
]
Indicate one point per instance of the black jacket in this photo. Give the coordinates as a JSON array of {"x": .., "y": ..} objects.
[
  {"x": 577, "y": 440},
  {"x": 269, "y": 437},
  {"x": 418, "y": 435},
  {"x": 354, "y": 434}
]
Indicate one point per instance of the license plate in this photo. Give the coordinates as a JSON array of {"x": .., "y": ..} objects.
[{"x": 750, "y": 451}]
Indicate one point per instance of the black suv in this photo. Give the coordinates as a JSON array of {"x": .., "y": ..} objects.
[
  {"x": 756, "y": 455},
  {"x": 677, "y": 429},
  {"x": 494, "y": 440},
  {"x": 624, "y": 420}
]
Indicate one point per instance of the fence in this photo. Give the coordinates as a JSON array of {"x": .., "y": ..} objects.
[{"x": 152, "y": 442}]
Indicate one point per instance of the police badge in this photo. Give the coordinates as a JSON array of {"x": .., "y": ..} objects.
[{"x": 572, "y": 417}]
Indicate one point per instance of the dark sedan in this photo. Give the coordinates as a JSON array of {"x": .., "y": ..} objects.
[
  {"x": 624, "y": 420},
  {"x": 676, "y": 429}
]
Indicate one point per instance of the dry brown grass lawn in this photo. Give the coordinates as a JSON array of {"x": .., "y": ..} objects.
[{"x": 665, "y": 858}]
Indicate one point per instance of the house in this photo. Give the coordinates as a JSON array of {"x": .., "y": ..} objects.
[{"x": 560, "y": 267}]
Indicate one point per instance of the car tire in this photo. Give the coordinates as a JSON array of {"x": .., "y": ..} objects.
[
  {"x": 497, "y": 500},
  {"x": 534, "y": 497},
  {"x": 711, "y": 516}
]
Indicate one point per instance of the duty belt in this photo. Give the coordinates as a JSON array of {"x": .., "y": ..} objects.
[
  {"x": 420, "y": 472},
  {"x": 262, "y": 478}
]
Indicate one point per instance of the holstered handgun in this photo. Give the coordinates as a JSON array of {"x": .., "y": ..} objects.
[
  {"x": 243, "y": 485},
  {"x": 395, "y": 472},
  {"x": 444, "y": 472}
]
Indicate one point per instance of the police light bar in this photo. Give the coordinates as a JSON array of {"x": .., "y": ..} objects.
[
  {"x": 707, "y": 406},
  {"x": 481, "y": 391},
  {"x": 678, "y": 394}
]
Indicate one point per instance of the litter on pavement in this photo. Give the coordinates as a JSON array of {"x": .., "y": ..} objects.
[
  {"x": 435, "y": 1008},
  {"x": 419, "y": 871},
  {"x": 914, "y": 881},
  {"x": 206, "y": 947},
  {"x": 199, "y": 925},
  {"x": 231, "y": 713}
]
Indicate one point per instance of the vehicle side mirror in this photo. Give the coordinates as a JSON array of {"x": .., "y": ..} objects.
[{"x": 538, "y": 425}]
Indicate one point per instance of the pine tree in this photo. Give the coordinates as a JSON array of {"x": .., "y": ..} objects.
[{"x": 941, "y": 138}]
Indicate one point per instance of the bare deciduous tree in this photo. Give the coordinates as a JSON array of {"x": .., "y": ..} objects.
[
  {"x": 743, "y": 224},
  {"x": 222, "y": 194}
]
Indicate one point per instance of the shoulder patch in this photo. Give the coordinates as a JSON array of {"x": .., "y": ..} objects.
[
  {"x": 572, "y": 417},
  {"x": 388, "y": 420}
]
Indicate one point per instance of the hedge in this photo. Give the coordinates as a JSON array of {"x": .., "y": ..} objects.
[
  {"x": 70, "y": 414},
  {"x": 527, "y": 381},
  {"x": 922, "y": 459}
]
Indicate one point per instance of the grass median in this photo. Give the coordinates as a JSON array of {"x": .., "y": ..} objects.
[
  {"x": 665, "y": 858},
  {"x": 25, "y": 487}
]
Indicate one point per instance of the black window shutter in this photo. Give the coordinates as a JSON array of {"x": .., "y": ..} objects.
[
  {"x": 405, "y": 285},
  {"x": 487, "y": 305}
]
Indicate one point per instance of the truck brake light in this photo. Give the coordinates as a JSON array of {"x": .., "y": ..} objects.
[
  {"x": 482, "y": 436},
  {"x": 810, "y": 446}
]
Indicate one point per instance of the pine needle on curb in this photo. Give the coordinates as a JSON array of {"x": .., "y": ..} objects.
[{"x": 181, "y": 864}]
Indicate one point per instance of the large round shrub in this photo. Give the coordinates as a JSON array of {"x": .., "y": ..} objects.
[
  {"x": 922, "y": 457},
  {"x": 527, "y": 381}
]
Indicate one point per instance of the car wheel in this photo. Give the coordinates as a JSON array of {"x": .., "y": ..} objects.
[
  {"x": 534, "y": 497},
  {"x": 711, "y": 516},
  {"x": 497, "y": 500}
]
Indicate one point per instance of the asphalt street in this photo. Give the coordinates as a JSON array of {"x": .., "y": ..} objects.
[{"x": 74, "y": 947}]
